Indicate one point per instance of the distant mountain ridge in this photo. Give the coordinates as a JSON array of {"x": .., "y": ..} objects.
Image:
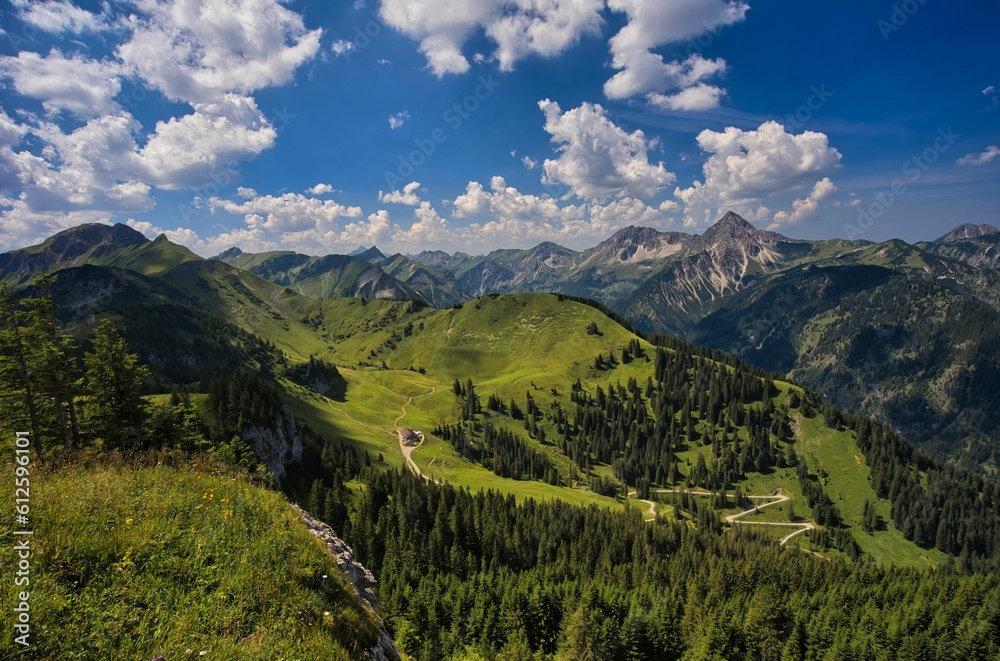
[
  {"x": 94, "y": 243},
  {"x": 968, "y": 231},
  {"x": 324, "y": 277},
  {"x": 762, "y": 296}
]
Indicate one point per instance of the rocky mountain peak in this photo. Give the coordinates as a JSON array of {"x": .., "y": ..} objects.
[
  {"x": 635, "y": 244},
  {"x": 733, "y": 232},
  {"x": 968, "y": 231},
  {"x": 78, "y": 240},
  {"x": 232, "y": 253},
  {"x": 433, "y": 258},
  {"x": 373, "y": 254},
  {"x": 734, "y": 226}
]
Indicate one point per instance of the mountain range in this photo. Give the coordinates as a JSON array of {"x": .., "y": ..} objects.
[
  {"x": 543, "y": 419},
  {"x": 908, "y": 333},
  {"x": 873, "y": 326}
]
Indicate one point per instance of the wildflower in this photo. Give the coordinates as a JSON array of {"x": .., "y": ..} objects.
[{"x": 128, "y": 521}]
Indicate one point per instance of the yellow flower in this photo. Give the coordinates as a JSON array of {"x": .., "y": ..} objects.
[{"x": 128, "y": 521}]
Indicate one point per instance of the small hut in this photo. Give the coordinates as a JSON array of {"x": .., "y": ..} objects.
[{"x": 410, "y": 437}]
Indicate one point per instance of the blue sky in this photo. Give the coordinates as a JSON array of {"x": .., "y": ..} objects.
[{"x": 480, "y": 124}]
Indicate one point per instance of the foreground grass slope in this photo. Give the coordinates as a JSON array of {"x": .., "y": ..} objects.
[{"x": 133, "y": 562}]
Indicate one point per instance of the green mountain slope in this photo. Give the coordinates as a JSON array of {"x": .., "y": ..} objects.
[
  {"x": 574, "y": 489},
  {"x": 150, "y": 562},
  {"x": 737, "y": 288},
  {"x": 713, "y": 424},
  {"x": 439, "y": 288},
  {"x": 401, "y": 362},
  {"x": 105, "y": 245}
]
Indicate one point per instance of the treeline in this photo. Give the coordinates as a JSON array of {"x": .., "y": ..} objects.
[
  {"x": 97, "y": 400},
  {"x": 320, "y": 376},
  {"x": 688, "y": 401},
  {"x": 478, "y": 576},
  {"x": 666, "y": 341},
  {"x": 691, "y": 401},
  {"x": 45, "y": 389},
  {"x": 500, "y": 450},
  {"x": 933, "y": 504}
]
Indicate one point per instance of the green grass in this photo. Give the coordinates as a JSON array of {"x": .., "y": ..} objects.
[
  {"x": 847, "y": 483},
  {"x": 513, "y": 344},
  {"x": 508, "y": 345},
  {"x": 129, "y": 563}
]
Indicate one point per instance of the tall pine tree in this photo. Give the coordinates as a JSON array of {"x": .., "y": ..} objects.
[{"x": 115, "y": 409}]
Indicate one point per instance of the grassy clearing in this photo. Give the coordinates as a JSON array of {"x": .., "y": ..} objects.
[
  {"x": 130, "y": 563},
  {"x": 834, "y": 456},
  {"x": 510, "y": 345}
]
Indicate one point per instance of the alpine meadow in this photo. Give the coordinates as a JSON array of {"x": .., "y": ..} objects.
[{"x": 497, "y": 330}]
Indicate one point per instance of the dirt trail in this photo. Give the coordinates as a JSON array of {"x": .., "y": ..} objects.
[
  {"x": 652, "y": 506},
  {"x": 407, "y": 450},
  {"x": 734, "y": 519}
]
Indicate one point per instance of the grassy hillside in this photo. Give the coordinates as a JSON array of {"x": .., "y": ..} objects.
[
  {"x": 132, "y": 562},
  {"x": 925, "y": 361},
  {"x": 401, "y": 361},
  {"x": 511, "y": 345}
]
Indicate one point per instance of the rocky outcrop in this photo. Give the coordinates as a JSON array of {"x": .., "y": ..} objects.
[
  {"x": 360, "y": 578},
  {"x": 278, "y": 446},
  {"x": 968, "y": 231}
]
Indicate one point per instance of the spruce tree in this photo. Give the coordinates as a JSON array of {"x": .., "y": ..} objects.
[{"x": 115, "y": 408}]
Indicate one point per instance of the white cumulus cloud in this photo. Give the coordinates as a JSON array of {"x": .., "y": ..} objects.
[
  {"x": 597, "y": 158},
  {"x": 200, "y": 50},
  {"x": 321, "y": 189},
  {"x": 396, "y": 120},
  {"x": 745, "y": 167},
  {"x": 518, "y": 27},
  {"x": 805, "y": 207},
  {"x": 290, "y": 212},
  {"x": 186, "y": 151},
  {"x": 79, "y": 85},
  {"x": 642, "y": 72},
  {"x": 58, "y": 16},
  {"x": 407, "y": 196}
]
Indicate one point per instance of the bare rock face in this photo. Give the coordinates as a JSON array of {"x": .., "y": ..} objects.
[
  {"x": 276, "y": 447},
  {"x": 968, "y": 231},
  {"x": 360, "y": 578}
]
